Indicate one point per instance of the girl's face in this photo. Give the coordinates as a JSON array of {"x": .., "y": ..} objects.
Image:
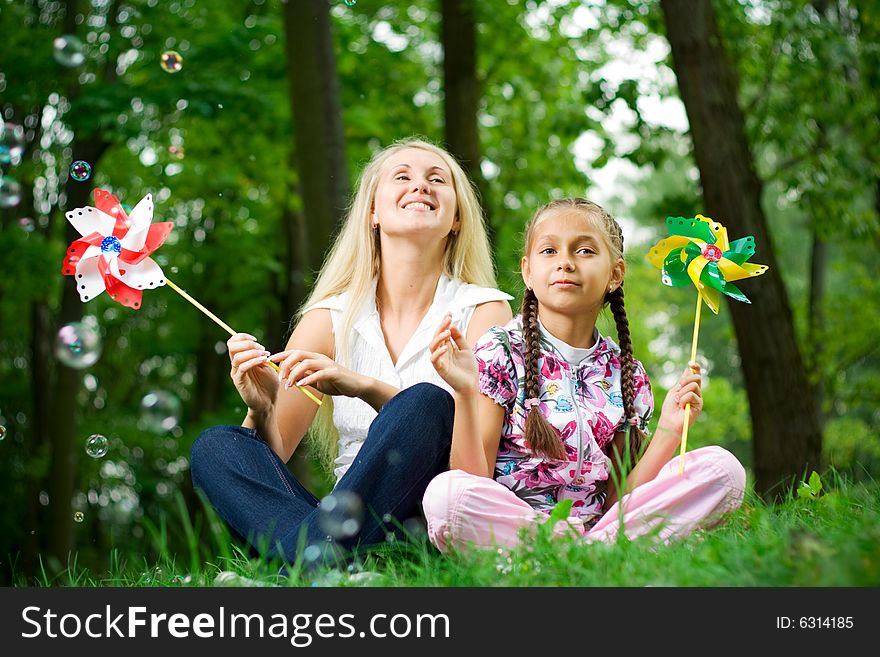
[
  {"x": 570, "y": 265},
  {"x": 415, "y": 194}
]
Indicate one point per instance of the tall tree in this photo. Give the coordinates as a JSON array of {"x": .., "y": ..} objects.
[
  {"x": 317, "y": 122},
  {"x": 462, "y": 88},
  {"x": 50, "y": 147},
  {"x": 319, "y": 154},
  {"x": 787, "y": 437},
  {"x": 89, "y": 146}
]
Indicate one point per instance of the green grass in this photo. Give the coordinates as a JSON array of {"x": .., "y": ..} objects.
[{"x": 832, "y": 539}]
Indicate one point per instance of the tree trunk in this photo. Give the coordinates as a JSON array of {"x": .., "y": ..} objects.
[
  {"x": 62, "y": 425},
  {"x": 787, "y": 437},
  {"x": 292, "y": 289},
  {"x": 818, "y": 265},
  {"x": 212, "y": 369},
  {"x": 462, "y": 92},
  {"x": 317, "y": 122},
  {"x": 877, "y": 197},
  {"x": 212, "y": 372},
  {"x": 41, "y": 369},
  {"x": 319, "y": 154},
  {"x": 296, "y": 261}
]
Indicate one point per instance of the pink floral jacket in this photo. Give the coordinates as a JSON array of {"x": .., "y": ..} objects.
[{"x": 583, "y": 402}]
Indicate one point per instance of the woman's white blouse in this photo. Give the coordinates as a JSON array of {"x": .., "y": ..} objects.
[{"x": 369, "y": 354}]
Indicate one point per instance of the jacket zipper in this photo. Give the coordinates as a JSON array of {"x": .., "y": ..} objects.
[{"x": 579, "y": 422}]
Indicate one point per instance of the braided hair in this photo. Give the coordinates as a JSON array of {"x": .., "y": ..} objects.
[{"x": 540, "y": 435}]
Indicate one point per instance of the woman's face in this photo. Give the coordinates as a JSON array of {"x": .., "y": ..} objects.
[{"x": 415, "y": 195}]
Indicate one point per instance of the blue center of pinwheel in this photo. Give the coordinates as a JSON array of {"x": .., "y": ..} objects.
[
  {"x": 111, "y": 245},
  {"x": 712, "y": 252}
]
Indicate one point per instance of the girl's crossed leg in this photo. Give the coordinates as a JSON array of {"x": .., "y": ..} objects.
[{"x": 467, "y": 510}]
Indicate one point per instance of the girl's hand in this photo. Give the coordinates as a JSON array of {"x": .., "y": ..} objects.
[
  {"x": 257, "y": 385},
  {"x": 686, "y": 390},
  {"x": 453, "y": 358},
  {"x": 309, "y": 368}
]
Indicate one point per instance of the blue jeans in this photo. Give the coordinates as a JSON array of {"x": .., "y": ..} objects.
[{"x": 253, "y": 491}]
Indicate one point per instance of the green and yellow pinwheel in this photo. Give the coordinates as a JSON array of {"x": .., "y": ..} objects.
[{"x": 698, "y": 251}]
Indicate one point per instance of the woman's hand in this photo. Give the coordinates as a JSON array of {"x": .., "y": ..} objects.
[
  {"x": 257, "y": 385},
  {"x": 687, "y": 390},
  {"x": 309, "y": 368},
  {"x": 453, "y": 358}
]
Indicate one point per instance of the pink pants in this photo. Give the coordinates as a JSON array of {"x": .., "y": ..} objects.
[{"x": 467, "y": 510}]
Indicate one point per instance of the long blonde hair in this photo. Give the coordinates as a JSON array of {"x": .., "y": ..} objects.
[{"x": 353, "y": 261}]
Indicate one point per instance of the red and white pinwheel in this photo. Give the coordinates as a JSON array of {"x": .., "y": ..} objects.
[
  {"x": 113, "y": 252},
  {"x": 113, "y": 255}
]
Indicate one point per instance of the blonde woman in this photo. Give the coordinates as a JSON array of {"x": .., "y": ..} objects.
[{"x": 412, "y": 249}]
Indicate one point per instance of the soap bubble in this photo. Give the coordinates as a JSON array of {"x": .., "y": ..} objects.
[
  {"x": 80, "y": 170},
  {"x": 350, "y": 3},
  {"x": 312, "y": 553},
  {"x": 11, "y": 143},
  {"x": 171, "y": 61},
  {"x": 2, "y": 432},
  {"x": 78, "y": 345},
  {"x": 27, "y": 224},
  {"x": 68, "y": 51},
  {"x": 160, "y": 411},
  {"x": 96, "y": 446},
  {"x": 10, "y": 192},
  {"x": 78, "y": 516},
  {"x": 176, "y": 151},
  {"x": 323, "y": 554},
  {"x": 415, "y": 529},
  {"x": 341, "y": 514}
]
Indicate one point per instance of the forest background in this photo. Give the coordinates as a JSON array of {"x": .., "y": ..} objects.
[{"x": 759, "y": 114}]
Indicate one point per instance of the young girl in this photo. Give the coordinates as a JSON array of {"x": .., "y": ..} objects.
[{"x": 547, "y": 409}]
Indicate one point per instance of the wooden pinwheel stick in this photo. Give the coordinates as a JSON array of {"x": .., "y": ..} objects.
[
  {"x": 229, "y": 330},
  {"x": 687, "y": 407}
]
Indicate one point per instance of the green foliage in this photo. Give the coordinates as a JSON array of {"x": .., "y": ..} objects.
[
  {"x": 213, "y": 143},
  {"x": 851, "y": 446},
  {"x": 829, "y": 541},
  {"x": 810, "y": 490},
  {"x": 807, "y": 80},
  {"x": 560, "y": 512}
]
